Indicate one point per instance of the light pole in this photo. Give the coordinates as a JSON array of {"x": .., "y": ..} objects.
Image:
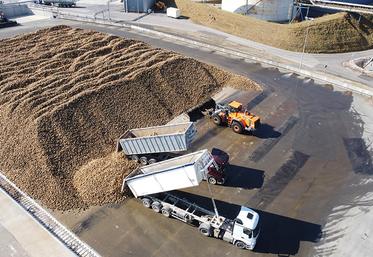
[
  {"x": 108, "y": 9},
  {"x": 304, "y": 46}
]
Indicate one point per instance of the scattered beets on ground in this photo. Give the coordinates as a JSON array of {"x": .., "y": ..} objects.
[{"x": 66, "y": 95}]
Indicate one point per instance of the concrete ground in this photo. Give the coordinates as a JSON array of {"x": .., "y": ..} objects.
[
  {"x": 22, "y": 236},
  {"x": 307, "y": 171}
]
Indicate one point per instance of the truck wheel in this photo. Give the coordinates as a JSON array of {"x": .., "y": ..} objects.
[
  {"x": 134, "y": 158},
  {"x": 152, "y": 160},
  {"x": 146, "y": 202},
  {"x": 216, "y": 119},
  {"x": 156, "y": 206},
  {"x": 240, "y": 244},
  {"x": 205, "y": 229},
  {"x": 166, "y": 212},
  {"x": 237, "y": 127},
  {"x": 143, "y": 160},
  {"x": 212, "y": 180}
]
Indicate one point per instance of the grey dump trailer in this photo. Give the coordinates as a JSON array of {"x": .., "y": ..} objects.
[
  {"x": 152, "y": 144},
  {"x": 152, "y": 185}
]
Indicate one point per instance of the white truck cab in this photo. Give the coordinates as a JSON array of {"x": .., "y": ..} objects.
[{"x": 246, "y": 228}]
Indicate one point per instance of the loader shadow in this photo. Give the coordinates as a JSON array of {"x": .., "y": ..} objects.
[
  {"x": 243, "y": 177},
  {"x": 265, "y": 131},
  {"x": 279, "y": 234}
]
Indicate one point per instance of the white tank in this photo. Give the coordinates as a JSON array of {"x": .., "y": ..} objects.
[{"x": 270, "y": 10}]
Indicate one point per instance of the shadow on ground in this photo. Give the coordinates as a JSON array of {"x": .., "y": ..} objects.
[
  {"x": 243, "y": 177},
  {"x": 279, "y": 234},
  {"x": 266, "y": 131},
  {"x": 239, "y": 176}
]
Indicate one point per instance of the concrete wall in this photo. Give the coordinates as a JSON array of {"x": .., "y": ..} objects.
[
  {"x": 15, "y": 10},
  {"x": 138, "y": 5}
]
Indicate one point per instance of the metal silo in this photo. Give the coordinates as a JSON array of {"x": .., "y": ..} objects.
[{"x": 270, "y": 10}]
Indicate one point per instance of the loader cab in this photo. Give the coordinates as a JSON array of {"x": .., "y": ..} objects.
[
  {"x": 235, "y": 106},
  {"x": 246, "y": 228}
]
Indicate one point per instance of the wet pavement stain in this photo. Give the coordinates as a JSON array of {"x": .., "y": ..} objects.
[
  {"x": 360, "y": 157},
  {"x": 257, "y": 100},
  {"x": 269, "y": 143},
  {"x": 279, "y": 181}
]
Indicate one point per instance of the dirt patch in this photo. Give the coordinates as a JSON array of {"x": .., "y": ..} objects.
[
  {"x": 339, "y": 32},
  {"x": 66, "y": 95}
]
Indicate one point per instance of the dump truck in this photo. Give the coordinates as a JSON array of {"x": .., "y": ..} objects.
[
  {"x": 153, "y": 185},
  {"x": 234, "y": 116},
  {"x": 152, "y": 144},
  {"x": 59, "y": 3},
  {"x": 4, "y": 21}
]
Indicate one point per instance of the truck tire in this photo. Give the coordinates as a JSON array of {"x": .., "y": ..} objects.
[
  {"x": 240, "y": 244},
  {"x": 237, "y": 127},
  {"x": 166, "y": 212},
  {"x": 143, "y": 160},
  {"x": 212, "y": 180},
  {"x": 216, "y": 119},
  {"x": 152, "y": 160},
  {"x": 146, "y": 202},
  {"x": 205, "y": 229},
  {"x": 135, "y": 158},
  {"x": 156, "y": 206}
]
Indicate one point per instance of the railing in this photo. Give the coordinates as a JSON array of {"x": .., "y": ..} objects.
[
  {"x": 68, "y": 238},
  {"x": 335, "y": 5}
]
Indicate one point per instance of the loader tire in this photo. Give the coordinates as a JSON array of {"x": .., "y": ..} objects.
[
  {"x": 216, "y": 119},
  {"x": 237, "y": 127}
]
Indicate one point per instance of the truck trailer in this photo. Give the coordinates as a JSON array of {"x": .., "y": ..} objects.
[
  {"x": 152, "y": 144},
  {"x": 152, "y": 185}
]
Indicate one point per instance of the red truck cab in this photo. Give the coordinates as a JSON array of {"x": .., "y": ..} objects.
[{"x": 216, "y": 175}]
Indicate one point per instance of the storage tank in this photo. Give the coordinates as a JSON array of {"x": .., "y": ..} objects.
[
  {"x": 139, "y": 6},
  {"x": 270, "y": 10}
]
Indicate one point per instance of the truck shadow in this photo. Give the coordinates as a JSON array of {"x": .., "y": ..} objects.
[
  {"x": 279, "y": 234},
  {"x": 239, "y": 176},
  {"x": 243, "y": 177}
]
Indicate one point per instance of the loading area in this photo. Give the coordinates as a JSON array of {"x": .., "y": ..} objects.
[{"x": 299, "y": 165}]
